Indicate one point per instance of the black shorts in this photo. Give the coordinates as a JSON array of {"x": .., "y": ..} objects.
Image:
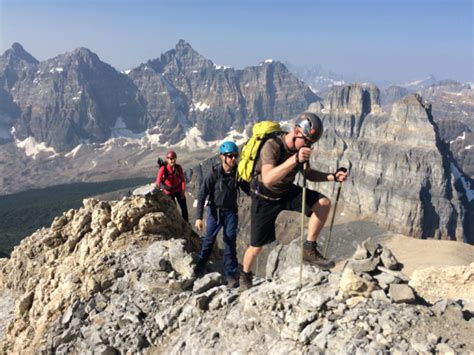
[{"x": 263, "y": 213}]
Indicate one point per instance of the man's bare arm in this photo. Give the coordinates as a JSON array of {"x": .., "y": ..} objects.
[{"x": 272, "y": 174}]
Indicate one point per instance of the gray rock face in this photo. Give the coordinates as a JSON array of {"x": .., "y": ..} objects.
[
  {"x": 15, "y": 64},
  {"x": 401, "y": 170},
  {"x": 75, "y": 97},
  {"x": 182, "y": 88},
  {"x": 452, "y": 108},
  {"x": 453, "y": 111}
]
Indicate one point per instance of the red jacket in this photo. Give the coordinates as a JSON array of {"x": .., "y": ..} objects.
[{"x": 172, "y": 181}]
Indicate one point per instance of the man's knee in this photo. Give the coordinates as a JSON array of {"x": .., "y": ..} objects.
[{"x": 323, "y": 204}]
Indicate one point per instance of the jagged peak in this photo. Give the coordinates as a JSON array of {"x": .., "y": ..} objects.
[
  {"x": 19, "y": 52},
  {"x": 183, "y": 53},
  {"x": 411, "y": 99},
  {"x": 82, "y": 53},
  {"x": 182, "y": 44},
  {"x": 85, "y": 53}
]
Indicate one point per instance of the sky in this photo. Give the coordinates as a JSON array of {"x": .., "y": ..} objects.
[{"x": 377, "y": 39}]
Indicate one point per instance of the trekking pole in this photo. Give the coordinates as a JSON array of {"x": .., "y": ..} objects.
[
  {"x": 303, "y": 205},
  {"x": 326, "y": 243}
]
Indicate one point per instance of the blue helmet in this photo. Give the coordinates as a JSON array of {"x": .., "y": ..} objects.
[{"x": 228, "y": 147}]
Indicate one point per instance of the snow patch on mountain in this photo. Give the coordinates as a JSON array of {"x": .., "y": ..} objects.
[
  {"x": 120, "y": 130},
  {"x": 466, "y": 184},
  {"x": 199, "y": 106},
  {"x": 56, "y": 70},
  {"x": 74, "y": 152},
  {"x": 193, "y": 140},
  {"x": 125, "y": 139},
  {"x": 461, "y": 137},
  {"x": 33, "y": 148},
  {"x": 218, "y": 67}
]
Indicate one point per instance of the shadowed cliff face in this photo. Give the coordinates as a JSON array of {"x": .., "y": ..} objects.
[
  {"x": 401, "y": 172},
  {"x": 118, "y": 276}
]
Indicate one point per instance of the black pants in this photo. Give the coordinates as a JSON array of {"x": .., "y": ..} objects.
[{"x": 182, "y": 204}]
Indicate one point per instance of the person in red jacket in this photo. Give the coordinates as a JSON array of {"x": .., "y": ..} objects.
[{"x": 171, "y": 180}]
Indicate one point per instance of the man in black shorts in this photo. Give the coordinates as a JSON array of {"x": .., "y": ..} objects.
[{"x": 273, "y": 191}]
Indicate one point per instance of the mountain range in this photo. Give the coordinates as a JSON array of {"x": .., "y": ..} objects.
[
  {"x": 75, "y": 118},
  {"x": 75, "y": 97}
]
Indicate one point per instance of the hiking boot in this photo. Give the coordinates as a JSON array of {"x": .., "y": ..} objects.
[
  {"x": 232, "y": 282},
  {"x": 312, "y": 256},
  {"x": 245, "y": 280}
]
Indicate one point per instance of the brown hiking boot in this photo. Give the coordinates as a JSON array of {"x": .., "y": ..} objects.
[
  {"x": 312, "y": 256},
  {"x": 245, "y": 280}
]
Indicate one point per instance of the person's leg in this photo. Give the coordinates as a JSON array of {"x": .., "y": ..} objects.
[
  {"x": 249, "y": 257},
  {"x": 317, "y": 209},
  {"x": 263, "y": 214},
  {"x": 230, "y": 236},
  {"x": 318, "y": 218},
  {"x": 183, "y": 206},
  {"x": 212, "y": 229}
]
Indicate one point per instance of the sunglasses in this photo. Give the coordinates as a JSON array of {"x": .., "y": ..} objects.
[
  {"x": 171, "y": 158},
  {"x": 307, "y": 141},
  {"x": 231, "y": 156}
]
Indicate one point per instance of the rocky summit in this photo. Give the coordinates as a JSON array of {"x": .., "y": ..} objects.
[{"x": 117, "y": 277}]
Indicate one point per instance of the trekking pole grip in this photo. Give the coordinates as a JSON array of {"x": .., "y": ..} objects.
[{"x": 344, "y": 170}]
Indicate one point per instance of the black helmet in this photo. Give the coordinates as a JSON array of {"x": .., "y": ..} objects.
[{"x": 310, "y": 125}]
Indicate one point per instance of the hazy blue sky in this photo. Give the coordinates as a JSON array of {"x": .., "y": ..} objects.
[{"x": 378, "y": 39}]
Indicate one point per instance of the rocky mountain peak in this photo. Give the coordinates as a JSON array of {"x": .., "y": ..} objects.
[
  {"x": 85, "y": 53},
  {"x": 410, "y": 123},
  {"x": 182, "y": 45},
  {"x": 79, "y": 58},
  {"x": 18, "y": 52},
  {"x": 357, "y": 99},
  {"x": 183, "y": 59}
]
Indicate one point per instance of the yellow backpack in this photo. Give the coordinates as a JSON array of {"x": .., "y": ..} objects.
[{"x": 261, "y": 132}]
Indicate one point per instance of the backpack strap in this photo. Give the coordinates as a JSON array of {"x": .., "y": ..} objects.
[{"x": 282, "y": 149}]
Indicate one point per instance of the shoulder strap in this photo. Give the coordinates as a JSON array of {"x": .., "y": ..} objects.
[
  {"x": 282, "y": 149},
  {"x": 165, "y": 171},
  {"x": 216, "y": 172}
]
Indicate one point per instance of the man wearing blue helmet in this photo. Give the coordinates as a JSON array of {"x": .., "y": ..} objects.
[{"x": 221, "y": 190}]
